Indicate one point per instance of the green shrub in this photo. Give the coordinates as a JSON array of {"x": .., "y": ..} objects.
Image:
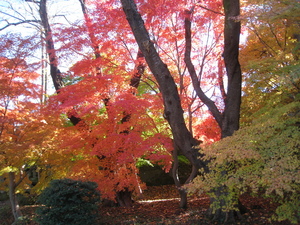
[
  {"x": 262, "y": 158},
  {"x": 68, "y": 201}
]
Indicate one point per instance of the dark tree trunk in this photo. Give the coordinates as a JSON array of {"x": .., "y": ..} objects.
[
  {"x": 232, "y": 29},
  {"x": 124, "y": 198},
  {"x": 173, "y": 112},
  {"x": 231, "y": 114},
  {"x": 229, "y": 119},
  {"x": 54, "y": 71}
]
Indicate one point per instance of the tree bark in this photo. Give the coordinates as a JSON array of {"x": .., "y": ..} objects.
[
  {"x": 173, "y": 112},
  {"x": 232, "y": 30},
  {"x": 231, "y": 114},
  {"x": 54, "y": 71},
  {"x": 13, "y": 198}
]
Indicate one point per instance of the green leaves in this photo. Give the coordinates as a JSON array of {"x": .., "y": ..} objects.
[
  {"x": 262, "y": 156},
  {"x": 68, "y": 202}
]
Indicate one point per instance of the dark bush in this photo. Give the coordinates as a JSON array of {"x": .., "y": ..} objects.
[{"x": 68, "y": 201}]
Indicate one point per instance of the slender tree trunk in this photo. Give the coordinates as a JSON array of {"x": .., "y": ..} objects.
[
  {"x": 181, "y": 190},
  {"x": 54, "y": 71},
  {"x": 173, "y": 112},
  {"x": 13, "y": 198}
]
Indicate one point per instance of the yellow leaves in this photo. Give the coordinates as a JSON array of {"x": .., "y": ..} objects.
[
  {"x": 261, "y": 156},
  {"x": 7, "y": 170}
]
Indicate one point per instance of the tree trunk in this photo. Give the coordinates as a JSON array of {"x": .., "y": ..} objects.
[
  {"x": 124, "y": 198},
  {"x": 231, "y": 114},
  {"x": 232, "y": 29},
  {"x": 229, "y": 120},
  {"x": 54, "y": 71},
  {"x": 173, "y": 112},
  {"x": 13, "y": 198}
]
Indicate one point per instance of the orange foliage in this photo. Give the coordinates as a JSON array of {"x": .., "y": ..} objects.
[
  {"x": 208, "y": 130},
  {"x": 106, "y": 75},
  {"x": 22, "y": 132},
  {"x": 107, "y": 154},
  {"x": 98, "y": 148}
]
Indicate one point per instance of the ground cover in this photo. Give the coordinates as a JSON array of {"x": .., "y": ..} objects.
[{"x": 160, "y": 206}]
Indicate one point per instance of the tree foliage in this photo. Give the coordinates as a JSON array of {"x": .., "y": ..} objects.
[
  {"x": 262, "y": 158},
  {"x": 97, "y": 126},
  {"x": 270, "y": 56}
]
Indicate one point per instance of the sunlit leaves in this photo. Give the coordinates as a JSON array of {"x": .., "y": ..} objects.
[
  {"x": 262, "y": 157},
  {"x": 23, "y": 130}
]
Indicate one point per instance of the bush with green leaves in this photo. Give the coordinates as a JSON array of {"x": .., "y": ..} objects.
[
  {"x": 262, "y": 158},
  {"x": 67, "y": 201}
]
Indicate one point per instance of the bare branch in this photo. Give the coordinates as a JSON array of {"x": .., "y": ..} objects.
[
  {"x": 211, "y": 10},
  {"x": 32, "y": 1},
  {"x": 65, "y": 18},
  {"x": 196, "y": 83},
  {"x": 18, "y": 23}
]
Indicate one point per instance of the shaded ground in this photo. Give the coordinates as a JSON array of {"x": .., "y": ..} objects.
[
  {"x": 161, "y": 206},
  {"x": 164, "y": 209}
]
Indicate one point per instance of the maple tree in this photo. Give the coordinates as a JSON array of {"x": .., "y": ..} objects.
[
  {"x": 182, "y": 43},
  {"x": 229, "y": 120},
  {"x": 76, "y": 104},
  {"x": 107, "y": 54},
  {"x": 22, "y": 132}
]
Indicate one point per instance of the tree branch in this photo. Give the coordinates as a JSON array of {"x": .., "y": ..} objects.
[
  {"x": 211, "y": 10},
  {"x": 196, "y": 83},
  {"x": 18, "y": 23},
  {"x": 173, "y": 110}
]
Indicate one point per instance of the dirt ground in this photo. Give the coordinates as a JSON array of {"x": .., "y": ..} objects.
[{"x": 160, "y": 205}]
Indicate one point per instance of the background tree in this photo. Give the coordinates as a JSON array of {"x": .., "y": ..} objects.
[
  {"x": 22, "y": 132},
  {"x": 270, "y": 59}
]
